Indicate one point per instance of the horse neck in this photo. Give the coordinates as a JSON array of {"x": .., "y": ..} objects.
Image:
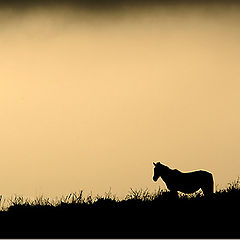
[{"x": 166, "y": 173}]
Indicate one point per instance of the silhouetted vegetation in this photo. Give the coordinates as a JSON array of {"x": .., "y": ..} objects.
[{"x": 140, "y": 214}]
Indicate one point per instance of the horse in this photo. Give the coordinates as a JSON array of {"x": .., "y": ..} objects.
[{"x": 188, "y": 182}]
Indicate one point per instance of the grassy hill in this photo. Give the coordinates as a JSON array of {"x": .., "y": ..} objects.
[{"x": 140, "y": 215}]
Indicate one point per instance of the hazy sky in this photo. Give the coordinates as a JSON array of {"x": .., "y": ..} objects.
[{"x": 90, "y": 99}]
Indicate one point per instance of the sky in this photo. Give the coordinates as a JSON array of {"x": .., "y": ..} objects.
[{"x": 91, "y": 95}]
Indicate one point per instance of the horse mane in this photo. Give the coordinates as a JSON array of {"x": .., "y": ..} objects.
[{"x": 164, "y": 168}]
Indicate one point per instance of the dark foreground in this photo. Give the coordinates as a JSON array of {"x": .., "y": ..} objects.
[{"x": 161, "y": 216}]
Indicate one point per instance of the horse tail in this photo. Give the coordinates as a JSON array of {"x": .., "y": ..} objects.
[
  {"x": 212, "y": 183},
  {"x": 208, "y": 188}
]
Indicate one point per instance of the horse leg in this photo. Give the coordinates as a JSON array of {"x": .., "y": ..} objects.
[
  {"x": 174, "y": 194},
  {"x": 206, "y": 192},
  {"x": 208, "y": 189}
]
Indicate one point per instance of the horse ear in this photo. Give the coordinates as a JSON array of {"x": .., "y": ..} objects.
[{"x": 154, "y": 164}]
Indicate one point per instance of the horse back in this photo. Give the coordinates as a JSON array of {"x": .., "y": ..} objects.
[{"x": 197, "y": 178}]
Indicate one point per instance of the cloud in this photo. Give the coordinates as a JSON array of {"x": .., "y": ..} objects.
[{"x": 106, "y": 5}]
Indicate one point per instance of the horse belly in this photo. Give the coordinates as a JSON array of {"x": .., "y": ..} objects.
[
  {"x": 188, "y": 188},
  {"x": 188, "y": 184},
  {"x": 191, "y": 182}
]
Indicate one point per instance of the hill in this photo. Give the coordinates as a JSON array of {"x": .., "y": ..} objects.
[{"x": 140, "y": 215}]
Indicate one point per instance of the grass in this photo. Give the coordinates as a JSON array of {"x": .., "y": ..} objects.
[
  {"x": 232, "y": 192},
  {"x": 140, "y": 214}
]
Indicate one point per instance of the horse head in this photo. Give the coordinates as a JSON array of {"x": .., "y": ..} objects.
[{"x": 157, "y": 171}]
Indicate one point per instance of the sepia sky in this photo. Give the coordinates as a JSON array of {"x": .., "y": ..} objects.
[{"x": 90, "y": 97}]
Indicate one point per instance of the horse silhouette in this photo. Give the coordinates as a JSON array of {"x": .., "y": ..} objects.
[{"x": 188, "y": 182}]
